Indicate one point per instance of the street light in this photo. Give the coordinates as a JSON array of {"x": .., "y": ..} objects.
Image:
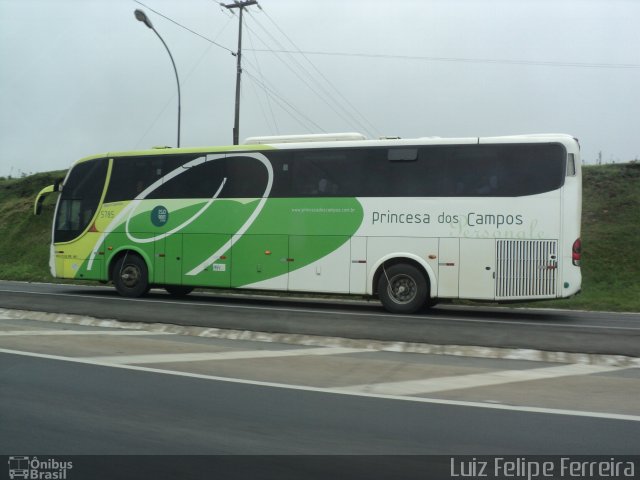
[{"x": 142, "y": 17}]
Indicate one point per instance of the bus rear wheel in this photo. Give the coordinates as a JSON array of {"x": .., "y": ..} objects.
[
  {"x": 178, "y": 290},
  {"x": 402, "y": 288},
  {"x": 131, "y": 276}
]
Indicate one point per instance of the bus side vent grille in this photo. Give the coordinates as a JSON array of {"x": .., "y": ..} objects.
[{"x": 526, "y": 268}]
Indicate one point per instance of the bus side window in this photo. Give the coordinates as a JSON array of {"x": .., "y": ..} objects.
[
  {"x": 402, "y": 154},
  {"x": 200, "y": 179},
  {"x": 320, "y": 173},
  {"x": 246, "y": 177},
  {"x": 571, "y": 165},
  {"x": 131, "y": 176}
]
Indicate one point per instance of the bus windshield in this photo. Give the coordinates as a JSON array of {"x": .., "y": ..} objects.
[{"x": 80, "y": 199}]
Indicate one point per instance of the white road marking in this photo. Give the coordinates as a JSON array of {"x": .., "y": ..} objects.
[
  {"x": 514, "y": 322},
  {"x": 324, "y": 341},
  {"x": 30, "y": 333},
  {"x": 492, "y": 406},
  {"x": 206, "y": 356},
  {"x": 459, "y": 382}
]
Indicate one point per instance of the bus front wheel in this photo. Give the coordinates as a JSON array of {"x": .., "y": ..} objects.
[
  {"x": 402, "y": 289},
  {"x": 131, "y": 276}
]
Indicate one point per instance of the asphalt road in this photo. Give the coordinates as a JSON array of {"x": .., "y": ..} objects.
[
  {"x": 539, "y": 329},
  {"x": 56, "y": 407},
  {"x": 298, "y": 411}
]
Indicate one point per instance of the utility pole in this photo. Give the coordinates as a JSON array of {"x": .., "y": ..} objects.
[{"x": 241, "y": 5}]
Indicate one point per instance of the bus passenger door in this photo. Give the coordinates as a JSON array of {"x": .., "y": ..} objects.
[
  {"x": 477, "y": 268},
  {"x": 168, "y": 260}
]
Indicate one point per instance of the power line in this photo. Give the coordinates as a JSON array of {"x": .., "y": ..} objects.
[
  {"x": 284, "y": 104},
  {"x": 271, "y": 91},
  {"x": 297, "y": 74},
  {"x": 280, "y": 100},
  {"x": 273, "y": 117},
  {"x": 337, "y": 108},
  {"x": 406, "y": 57},
  {"x": 186, "y": 28},
  {"x": 335, "y": 89},
  {"x": 457, "y": 59}
]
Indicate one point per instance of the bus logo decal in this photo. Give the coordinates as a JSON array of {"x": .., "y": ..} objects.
[{"x": 159, "y": 216}]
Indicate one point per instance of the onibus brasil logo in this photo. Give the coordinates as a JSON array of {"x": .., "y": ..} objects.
[{"x": 33, "y": 468}]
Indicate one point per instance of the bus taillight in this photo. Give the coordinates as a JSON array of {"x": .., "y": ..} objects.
[{"x": 576, "y": 252}]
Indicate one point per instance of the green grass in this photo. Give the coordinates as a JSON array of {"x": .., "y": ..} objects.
[
  {"x": 610, "y": 236},
  {"x": 25, "y": 238}
]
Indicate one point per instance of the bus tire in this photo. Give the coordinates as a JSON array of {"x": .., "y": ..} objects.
[
  {"x": 131, "y": 276},
  {"x": 402, "y": 288},
  {"x": 178, "y": 290},
  {"x": 430, "y": 302}
]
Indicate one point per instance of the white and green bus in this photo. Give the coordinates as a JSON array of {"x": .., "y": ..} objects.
[{"x": 410, "y": 221}]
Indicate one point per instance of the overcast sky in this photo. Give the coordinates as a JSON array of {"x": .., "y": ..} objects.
[{"x": 79, "y": 77}]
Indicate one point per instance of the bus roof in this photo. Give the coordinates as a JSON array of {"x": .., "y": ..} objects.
[{"x": 290, "y": 142}]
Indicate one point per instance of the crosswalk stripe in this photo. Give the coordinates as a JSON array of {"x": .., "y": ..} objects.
[
  {"x": 30, "y": 333},
  {"x": 459, "y": 382},
  {"x": 207, "y": 356}
]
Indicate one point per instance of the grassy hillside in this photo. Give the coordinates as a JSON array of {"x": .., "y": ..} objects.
[
  {"x": 610, "y": 236},
  {"x": 25, "y": 238},
  {"x": 610, "y": 240}
]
